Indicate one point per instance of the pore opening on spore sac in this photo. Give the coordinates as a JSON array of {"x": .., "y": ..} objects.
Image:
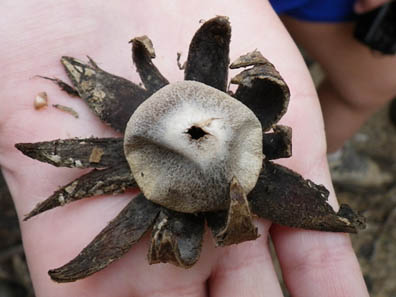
[{"x": 196, "y": 132}]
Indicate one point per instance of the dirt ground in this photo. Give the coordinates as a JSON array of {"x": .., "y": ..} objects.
[
  {"x": 14, "y": 275},
  {"x": 375, "y": 246}
]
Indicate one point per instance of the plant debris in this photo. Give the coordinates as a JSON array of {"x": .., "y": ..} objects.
[
  {"x": 41, "y": 100},
  {"x": 62, "y": 85},
  {"x": 66, "y": 109},
  {"x": 96, "y": 155},
  {"x": 179, "y": 64}
]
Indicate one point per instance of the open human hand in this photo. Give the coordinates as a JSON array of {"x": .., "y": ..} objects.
[{"x": 313, "y": 263}]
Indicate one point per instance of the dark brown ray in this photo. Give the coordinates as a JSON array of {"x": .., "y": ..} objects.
[
  {"x": 278, "y": 144},
  {"x": 78, "y": 153},
  {"x": 142, "y": 54},
  {"x": 261, "y": 88},
  {"x": 62, "y": 85},
  {"x": 285, "y": 198},
  {"x": 236, "y": 224},
  {"x": 112, "y": 98},
  {"x": 176, "y": 238},
  {"x": 208, "y": 59},
  {"x": 113, "y": 180},
  {"x": 112, "y": 242}
]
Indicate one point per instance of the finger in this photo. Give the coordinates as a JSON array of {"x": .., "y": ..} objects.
[
  {"x": 321, "y": 264},
  {"x": 246, "y": 269},
  {"x": 359, "y": 6},
  {"x": 362, "y": 6},
  {"x": 163, "y": 279},
  {"x": 318, "y": 263}
]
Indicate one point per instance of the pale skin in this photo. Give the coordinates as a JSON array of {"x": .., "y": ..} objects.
[{"x": 34, "y": 37}]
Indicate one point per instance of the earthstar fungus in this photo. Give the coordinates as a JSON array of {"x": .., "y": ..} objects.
[{"x": 198, "y": 152}]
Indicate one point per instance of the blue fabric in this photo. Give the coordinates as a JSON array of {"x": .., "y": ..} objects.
[{"x": 316, "y": 10}]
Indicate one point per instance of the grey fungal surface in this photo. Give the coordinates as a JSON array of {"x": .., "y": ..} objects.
[{"x": 183, "y": 171}]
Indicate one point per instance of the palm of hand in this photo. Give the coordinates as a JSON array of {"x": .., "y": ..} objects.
[{"x": 20, "y": 122}]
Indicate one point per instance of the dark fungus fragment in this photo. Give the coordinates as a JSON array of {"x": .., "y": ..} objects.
[
  {"x": 208, "y": 59},
  {"x": 142, "y": 54},
  {"x": 178, "y": 63},
  {"x": 253, "y": 58},
  {"x": 261, "y": 88},
  {"x": 278, "y": 144},
  {"x": 285, "y": 198},
  {"x": 112, "y": 98},
  {"x": 176, "y": 238},
  {"x": 62, "y": 85},
  {"x": 236, "y": 225}
]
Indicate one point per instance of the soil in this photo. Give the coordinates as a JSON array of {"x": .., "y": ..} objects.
[
  {"x": 14, "y": 274},
  {"x": 376, "y": 246}
]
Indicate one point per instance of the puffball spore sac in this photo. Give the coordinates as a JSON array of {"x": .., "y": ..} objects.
[{"x": 187, "y": 141}]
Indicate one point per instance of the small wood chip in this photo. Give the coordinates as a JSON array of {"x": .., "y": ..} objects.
[
  {"x": 66, "y": 109},
  {"x": 41, "y": 100},
  {"x": 96, "y": 155}
]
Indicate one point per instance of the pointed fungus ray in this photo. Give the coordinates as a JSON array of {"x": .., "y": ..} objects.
[
  {"x": 113, "y": 180},
  {"x": 285, "y": 198},
  {"x": 62, "y": 85},
  {"x": 112, "y": 98},
  {"x": 142, "y": 54},
  {"x": 208, "y": 59},
  {"x": 236, "y": 225},
  {"x": 76, "y": 152},
  {"x": 111, "y": 243}
]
